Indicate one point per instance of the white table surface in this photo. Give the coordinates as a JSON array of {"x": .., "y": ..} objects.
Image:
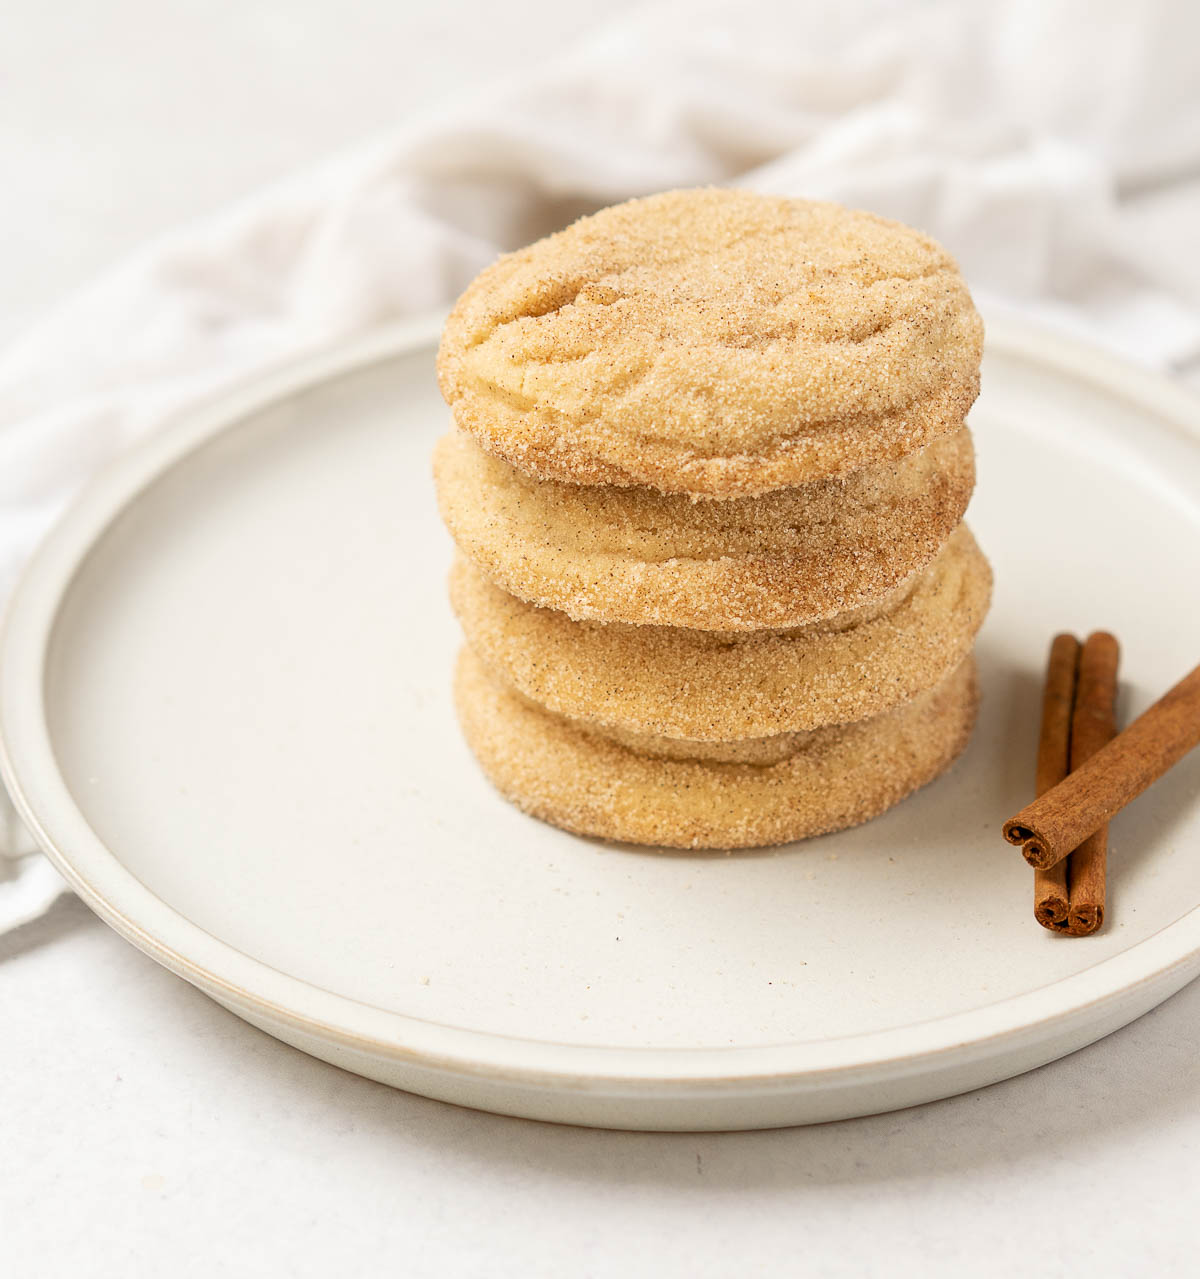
[{"x": 148, "y": 1132}]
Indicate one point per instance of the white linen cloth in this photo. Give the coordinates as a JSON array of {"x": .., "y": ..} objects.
[{"x": 1011, "y": 133}]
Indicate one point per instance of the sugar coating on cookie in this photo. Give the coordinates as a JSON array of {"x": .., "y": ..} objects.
[
  {"x": 713, "y": 342},
  {"x": 722, "y": 685},
  {"x": 636, "y": 555},
  {"x": 583, "y": 781}
]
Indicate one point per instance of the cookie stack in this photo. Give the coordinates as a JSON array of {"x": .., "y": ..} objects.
[{"x": 707, "y": 487}]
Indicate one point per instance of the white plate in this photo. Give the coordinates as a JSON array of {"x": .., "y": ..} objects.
[{"x": 226, "y": 716}]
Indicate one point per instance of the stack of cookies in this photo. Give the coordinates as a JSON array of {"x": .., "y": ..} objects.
[{"x": 707, "y": 488}]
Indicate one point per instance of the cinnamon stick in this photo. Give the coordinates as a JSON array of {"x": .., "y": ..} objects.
[
  {"x": 1050, "y": 897},
  {"x": 1062, "y": 818},
  {"x": 1092, "y": 727}
]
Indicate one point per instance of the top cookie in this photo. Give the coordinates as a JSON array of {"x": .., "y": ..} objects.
[{"x": 713, "y": 342}]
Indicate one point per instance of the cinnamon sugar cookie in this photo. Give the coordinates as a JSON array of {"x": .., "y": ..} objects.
[
  {"x": 713, "y": 342},
  {"x": 716, "y": 686},
  {"x": 835, "y": 777},
  {"x": 639, "y": 556}
]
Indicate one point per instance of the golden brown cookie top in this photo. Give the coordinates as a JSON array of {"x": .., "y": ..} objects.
[{"x": 713, "y": 342}]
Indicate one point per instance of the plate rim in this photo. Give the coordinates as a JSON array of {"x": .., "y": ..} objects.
[{"x": 40, "y": 793}]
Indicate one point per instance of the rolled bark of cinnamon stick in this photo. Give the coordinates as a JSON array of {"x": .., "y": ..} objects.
[
  {"x": 1093, "y": 726},
  {"x": 1086, "y": 799},
  {"x": 1051, "y": 903}
]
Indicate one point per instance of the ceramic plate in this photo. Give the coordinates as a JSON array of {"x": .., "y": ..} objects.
[{"x": 226, "y": 716}]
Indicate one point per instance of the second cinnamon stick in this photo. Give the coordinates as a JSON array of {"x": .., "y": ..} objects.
[
  {"x": 1065, "y": 816},
  {"x": 1051, "y": 902},
  {"x": 1093, "y": 726}
]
